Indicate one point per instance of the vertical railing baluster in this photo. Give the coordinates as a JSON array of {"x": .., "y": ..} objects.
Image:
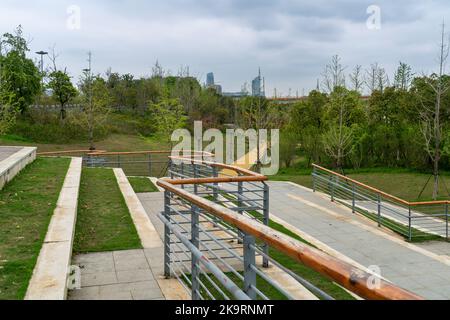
[
  {"x": 182, "y": 173},
  {"x": 195, "y": 239},
  {"x": 353, "y": 197},
  {"x": 332, "y": 188},
  {"x": 167, "y": 235},
  {"x": 149, "y": 164},
  {"x": 216, "y": 185},
  {"x": 249, "y": 265},
  {"x": 314, "y": 179},
  {"x": 379, "y": 209},
  {"x": 240, "y": 204},
  {"x": 446, "y": 221},
  {"x": 170, "y": 167},
  {"x": 195, "y": 171},
  {"x": 410, "y": 224},
  {"x": 266, "y": 210}
]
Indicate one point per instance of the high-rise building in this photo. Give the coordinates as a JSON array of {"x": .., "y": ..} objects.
[
  {"x": 210, "y": 80},
  {"x": 258, "y": 86}
]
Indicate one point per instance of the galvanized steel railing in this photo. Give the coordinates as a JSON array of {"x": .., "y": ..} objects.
[
  {"x": 216, "y": 239},
  {"x": 414, "y": 220}
]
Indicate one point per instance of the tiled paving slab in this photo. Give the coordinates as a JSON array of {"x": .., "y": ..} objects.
[{"x": 118, "y": 275}]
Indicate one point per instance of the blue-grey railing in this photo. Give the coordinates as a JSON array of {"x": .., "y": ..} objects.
[
  {"x": 414, "y": 220},
  {"x": 217, "y": 239}
]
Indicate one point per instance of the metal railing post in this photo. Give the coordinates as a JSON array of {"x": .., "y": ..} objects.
[
  {"x": 353, "y": 198},
  {"x": 379, "y": 210},
  {"x": 167, "y": 235},
  {"x": 149, "y": 164},
  {"x": 216, "y": 185},
  {"x": 170, "y": 168},
  {"x": 266, "y": 210},
  {"x": 332, "y": 188},
  {"x": 195, "y": 239},
  {"x": 182, "y": 173},
  {"x": 249, "y": 265},
  {"x": 240, "y": 205},
  {"x": 118, "y": 161},
  {"x": 314, "y": 179},
  {"x": 195, "y": 170},
  {"x": 410, "y": 224},
  {"x": 446, "y": 220}
]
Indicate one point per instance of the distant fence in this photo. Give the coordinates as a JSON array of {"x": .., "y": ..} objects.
[
  {"x": 138, "y": 163},
  {"x": 414, "y": 220}
]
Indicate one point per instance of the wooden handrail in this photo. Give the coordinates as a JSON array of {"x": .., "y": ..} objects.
[
  {"x": 145, "y": 152},
  {"x": 384, "y": 194},
  {"x": 243, "y": 171},
  {"x": 343, "y": 273},
  {"x": 68, "y": 152}
]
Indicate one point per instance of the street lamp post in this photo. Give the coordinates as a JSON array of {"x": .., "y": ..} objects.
[{"x": 42, "y": 54}]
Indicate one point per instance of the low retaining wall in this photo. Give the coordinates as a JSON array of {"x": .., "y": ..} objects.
[
  {"x": 49, "y": 280},
  {"x": 12, "y": 165}
]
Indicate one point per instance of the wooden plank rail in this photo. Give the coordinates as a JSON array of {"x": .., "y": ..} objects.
[{"x": 345, "y": 274}]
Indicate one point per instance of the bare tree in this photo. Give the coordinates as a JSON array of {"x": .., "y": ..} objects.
[
  {"x": 430, "y": 116},
  {"x": 382, "y": 79},
  {"x": 333, "y": 75},
  {"x": 403, "y": 76},
  {"x": 376, "y": 78},
  {"x": 356, "y": 78}
]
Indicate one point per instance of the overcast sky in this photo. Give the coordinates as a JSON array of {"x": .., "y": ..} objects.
[{"x": 291, "y": 40}]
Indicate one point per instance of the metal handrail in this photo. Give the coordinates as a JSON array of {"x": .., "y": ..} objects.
[
  {"x": 382, "y": 193},
  {"x": 345, "y": 274}
]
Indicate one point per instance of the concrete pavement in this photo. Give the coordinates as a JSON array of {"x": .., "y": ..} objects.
[{"x": 413, "y": 267}]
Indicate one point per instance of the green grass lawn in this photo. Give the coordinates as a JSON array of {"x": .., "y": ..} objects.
[
  {"x": 104, "y": 222},
  {"x": 26, "y": 207},
  {"x": 142, "y": 185}
]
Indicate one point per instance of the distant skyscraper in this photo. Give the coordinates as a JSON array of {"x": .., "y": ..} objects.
[
  {"x": 258, "y": 86},
  {"x": 210, "y": 80}
]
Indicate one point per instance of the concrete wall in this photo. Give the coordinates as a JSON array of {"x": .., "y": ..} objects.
[{"x": 12, "y": 165}]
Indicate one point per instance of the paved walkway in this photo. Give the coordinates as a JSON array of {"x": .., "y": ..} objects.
[
  {"x": 118, "y": 275},
  {"x": 6, "y": 152},
  {"x": 423, "y": 269}
]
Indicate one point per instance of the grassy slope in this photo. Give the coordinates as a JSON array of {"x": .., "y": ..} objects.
[
  {"x": 26, "y": 207},
  {"x": 115, "y": 142},
  {"x": 141, "y": 185},
  {"x": 104, "y": 222}
]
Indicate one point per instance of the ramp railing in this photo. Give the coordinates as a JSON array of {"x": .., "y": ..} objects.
[
  {"x": 416, "y": 221},
  {"x": 217, "y": 236}
]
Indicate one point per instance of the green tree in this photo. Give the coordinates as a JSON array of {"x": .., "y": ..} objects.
[
  {"x": 168, "y": 115},
  {"x": 8, "y": 112},
  {"x": 21, "y": 79},
  {"x": 307, "y": 121},
  {"x": 343, "y": 110},
  {"x": 63, "y": 89},
  {"x": 96, "y": 105}
]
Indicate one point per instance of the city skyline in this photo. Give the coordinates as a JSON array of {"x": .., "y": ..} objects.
[{"x": 292, "y": 43}]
